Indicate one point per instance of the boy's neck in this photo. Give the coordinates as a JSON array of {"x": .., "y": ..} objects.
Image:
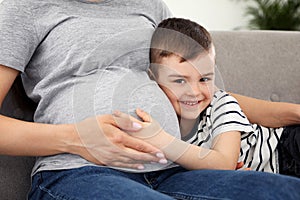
[{"x": 186, "y": 126}]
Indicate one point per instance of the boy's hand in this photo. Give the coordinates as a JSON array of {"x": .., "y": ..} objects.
[
  {"x": 239, "y": 165},
  {"x": 150, "y": 127}
]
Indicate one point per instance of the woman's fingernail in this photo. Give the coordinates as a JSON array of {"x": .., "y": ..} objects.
[
  {"x": 163, "y": 161},
  {"x": 140, "y": 167},
  {"x": 160, "y": 155},
  {"x": 136, "y": 125}
]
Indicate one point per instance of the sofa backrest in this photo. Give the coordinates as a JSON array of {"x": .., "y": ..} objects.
[{"x": 261, "y": 64}]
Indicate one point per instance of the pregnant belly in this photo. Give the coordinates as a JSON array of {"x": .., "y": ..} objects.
[{"x": 124, "y": 90}]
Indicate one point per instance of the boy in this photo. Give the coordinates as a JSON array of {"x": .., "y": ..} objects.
[
  {"x": 183, "y": 62},
  {"x": 176, "y": 69}
]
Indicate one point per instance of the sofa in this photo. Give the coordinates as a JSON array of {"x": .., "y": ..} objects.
[{"x": 261, "y": 64}]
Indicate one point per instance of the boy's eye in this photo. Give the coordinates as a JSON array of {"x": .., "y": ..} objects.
[
  {"x": 205, "y": 79},
  {"x": 180, "y": 81}
]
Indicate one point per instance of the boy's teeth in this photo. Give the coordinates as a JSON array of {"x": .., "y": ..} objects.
[{"x": 190, "y": 103}]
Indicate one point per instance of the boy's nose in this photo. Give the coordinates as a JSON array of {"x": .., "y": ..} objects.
[{"x": 194, "y": 89}]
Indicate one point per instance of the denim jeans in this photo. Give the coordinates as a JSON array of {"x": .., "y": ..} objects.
[{"x": 88, "y": 183}]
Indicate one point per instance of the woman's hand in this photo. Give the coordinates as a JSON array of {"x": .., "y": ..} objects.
[{"x": 99, "y": 140}]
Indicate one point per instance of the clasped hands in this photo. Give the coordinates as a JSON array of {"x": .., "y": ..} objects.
[
  {"x": 102, "y": 140},
  {"x": 120, "y": 140}
]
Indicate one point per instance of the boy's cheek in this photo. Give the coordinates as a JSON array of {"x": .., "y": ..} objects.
[
  {"x": 171, "y": 92},
  {"x": 213, "y": 89},
  {"x": 165, "y": 88}
]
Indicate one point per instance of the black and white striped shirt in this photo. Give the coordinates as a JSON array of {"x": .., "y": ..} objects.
[{"x": 258, "y": 144}]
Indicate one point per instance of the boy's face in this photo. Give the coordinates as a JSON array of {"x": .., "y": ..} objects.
[{"x": 189, "y": 85}]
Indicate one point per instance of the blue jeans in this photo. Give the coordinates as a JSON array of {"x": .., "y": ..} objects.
[{"x": 88, "y": 183}]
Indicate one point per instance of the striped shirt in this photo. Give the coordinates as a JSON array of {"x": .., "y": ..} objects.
[{"x": 258, "y": 144}]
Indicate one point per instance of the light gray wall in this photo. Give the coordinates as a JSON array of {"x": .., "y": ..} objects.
[{"x": 212, "y": 14}]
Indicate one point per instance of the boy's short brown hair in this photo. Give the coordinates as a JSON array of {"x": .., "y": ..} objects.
[{"x": 178, "y": 36}]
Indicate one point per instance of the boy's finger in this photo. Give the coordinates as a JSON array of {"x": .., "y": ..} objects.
[
  {"x": 239, "y": 165},
  {"x": 126, "y": 122},
  {"x": 143, "y": 115}
]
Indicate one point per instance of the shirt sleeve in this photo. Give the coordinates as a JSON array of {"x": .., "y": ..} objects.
[
  {"x": 18, "y": 39},
  {"x": 161, "y": 11},
  {"x": 166, "y": 13},
  {"x": 226, "y": 115}
]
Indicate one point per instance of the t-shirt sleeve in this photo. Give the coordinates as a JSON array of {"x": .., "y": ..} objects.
[
  {"x": 161, "y": 11},
  {"x": 18, "y": 39},
  {"x": 166, "y": 13},
  {"x": 226, "y": 115}
]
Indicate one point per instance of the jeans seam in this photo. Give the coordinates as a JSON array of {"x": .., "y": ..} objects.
[
  {"x": 148, "y": 182},
  {"x": 57, "y": 197},
  {"x": 182, "y": 196}
]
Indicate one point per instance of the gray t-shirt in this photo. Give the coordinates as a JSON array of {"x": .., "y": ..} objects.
[{"x": 81, "y": 59}]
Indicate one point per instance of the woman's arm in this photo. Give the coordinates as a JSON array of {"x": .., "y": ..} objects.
[
  {"x": 223, "y": 155},
  {"x": 267, "y": 113},
  {"x": 112, "y": 147},
  {"x": 24, "y": 138}
]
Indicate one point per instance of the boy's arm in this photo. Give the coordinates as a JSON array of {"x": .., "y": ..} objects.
[
  {"x": 267, "y": 113},
  {"x": 223, "y": 155}
]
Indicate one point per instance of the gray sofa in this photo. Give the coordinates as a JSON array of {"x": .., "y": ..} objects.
[{"x": 260, "y": 64}]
